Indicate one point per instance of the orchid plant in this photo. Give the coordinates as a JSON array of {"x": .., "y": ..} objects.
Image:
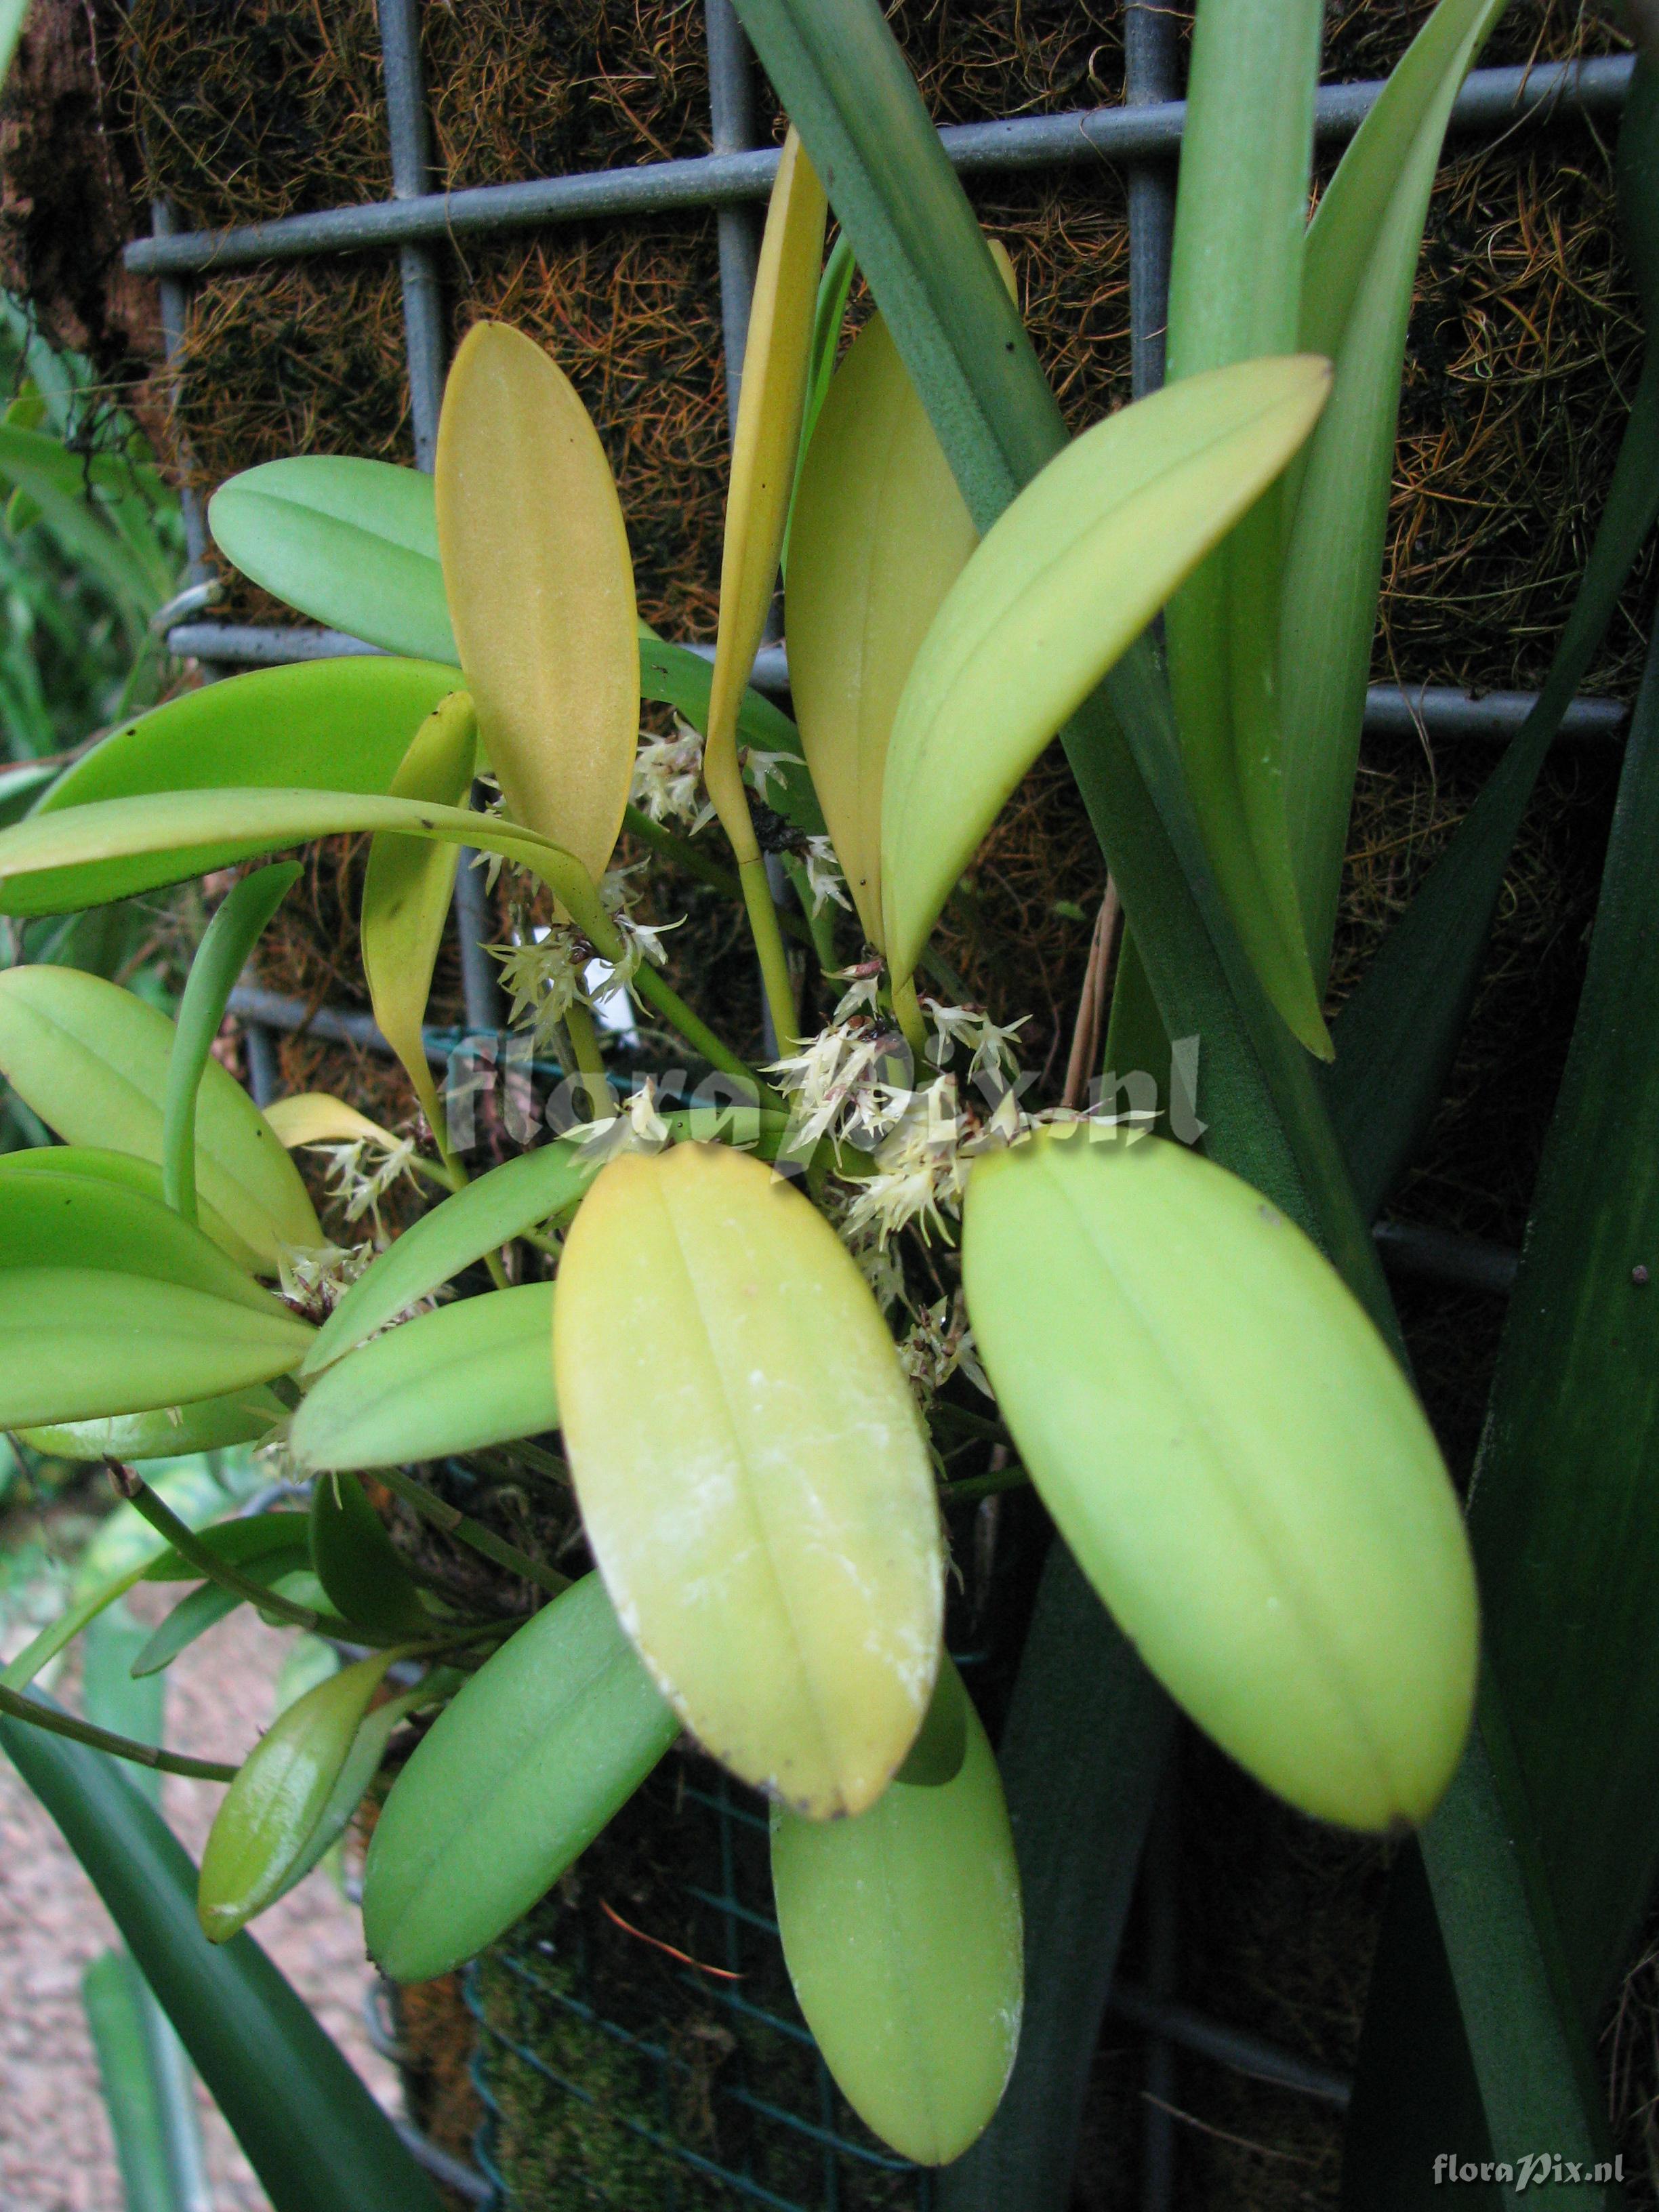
[{"x": 735, "y": 1319}]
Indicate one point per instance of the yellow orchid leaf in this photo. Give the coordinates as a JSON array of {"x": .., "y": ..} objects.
[
  {"x": 752, "y": 1475},
  {"x": 775, "y": 361},
  {"x": 541, "y": 590},
  {"x": 317, "y": 1117},
  {"x": 406, "y": 893}
]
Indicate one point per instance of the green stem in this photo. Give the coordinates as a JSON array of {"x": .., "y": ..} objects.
[
  {"x": 473, "y": 1532},
  {"x": 984, "y": 1485},
  {"x": 20, "y": 1708},
  {"x": 190, "y": 1548},
  {"x": 584, "y": 1046},
  {"x": 523, "y": 1458},
  {"x": 769, "y": 945},
  {"x": 907, "y": 1011},
  {"x": 698, "y": 1035}
]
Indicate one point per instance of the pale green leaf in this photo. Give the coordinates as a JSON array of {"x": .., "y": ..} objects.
[
  {"x": 1067, "y": 578},
  {"x": 764, "y": 446},
  {"x": 128, "y": 1169},
  {"x": 753, "y": 1479},
  {"x": 1361, "y": 264},
  {"x": 1235, "y": 291},
  {"x": 406, "y": 894},
  {"x": 1236, "y": 1461},
  {"x": 211, "y": 1424},
  {"x": 317, "y": 1117},
  {"x": 91, "y": 1059},
  {"x": 475, "y": 1373},
  {"x": 79, "y": 1342},
  {"x": 89, "y": 1221},
  {"x": 269, "y": 1812},
  {"x": 236, "y": 1542},
  {"x": 208, "y": 1604},
  {"x": 879, "y": 535},
  {"x": 541, "y": 589},
  {"x": 901, "y": 1933},
  {"x": 353, "y": 543},
  {"x": 512, "y": 1782}
]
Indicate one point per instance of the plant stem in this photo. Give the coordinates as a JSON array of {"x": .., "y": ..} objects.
[
  {"x": 769, "y": 945},
  {"x": 585, "y": 1045},
  {"x": 190, "y": 1548},
  {"x": 984, "y": 1485},
  {"x": 20, "y": 1708},
  {"x": 468, "y": 1531},
  {"x": 907, "y": 1011},
  {"x": 697, "y": 1034}
]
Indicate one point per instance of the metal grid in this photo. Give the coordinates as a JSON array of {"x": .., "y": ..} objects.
[{"x": 733, "y": 178}]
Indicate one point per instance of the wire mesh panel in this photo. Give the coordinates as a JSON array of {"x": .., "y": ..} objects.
[{"x": 638, "y": 2042}]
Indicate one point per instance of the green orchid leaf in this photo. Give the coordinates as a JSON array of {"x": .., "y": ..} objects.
[
  {"x": 283, "y": 1788},
  {"x": 207, "y": 1605},
  {"x": 211, "y": 1424},
  {"x": 134, "y": 570},
  {"x": 1360, "y": 266},
  {"x": 52, "y": 863},
  {"x": 828, "y": 313},
  {"x": 331, "y": 724},
  {"x": 1235, "y": 291},
  {"x": 479, "y": 1372},
  {"x": 765, "y": 446},
  {"x": 407, "y": 890},
  {"x": 1236, "y": 1460},
  {"x": 315, "y": 2137},
  {"x": 1063, "y": 584},
  {"x": 76, "y": 1343},
  {"x": 357, "y": 1562},
  {"x": 91, "y": 1059},
  {"x": 224, "y": 951},
  {"x": 123, "y": 2025},
  {"x": 89, "y": 1221},
  {"x": 901, "y": 1933},
  {"x": 134, "y": 1174},
  {"x": 936, "y": 1754},
  {"x": 238, "y": 1543},
  {"x": 353, "y": 543},
  {"x": 362, "y": 1763},
  {"x": 540, "y": 585},
  {"x": 754, "y": 1483},
  {"x": 479, "y": 1219},
  {"x": 543, "y": 1745},
  {"x": 879, "y": 535}
]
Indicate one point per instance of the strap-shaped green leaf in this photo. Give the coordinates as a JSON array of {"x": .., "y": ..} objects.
[
  {"x": 475, "y": 1373},
  {"x": 122, "y": 2025},
  {"x": 879, "y": 535},
  {"x": 223, "y": 953},
  {"x": 1059, "y": 589},
  {"x": 754, "y": 1483},
  {"x": 87, "y": 1221},
  {"x": 356, "y": 1562},
  {"x": 235, "y": 1542},
  {"x": 208, "y": 1604},
  {"x": 551, "y": 1737},
  {"x": 489, "y": 1213},
  {"x": 1236, "y": 1461},
  {"x": 540, "y": 587},
  {"x": 79, "y": 1342},
  {"x": 1234, "y": 289},
  {"x": 1361, "y": 262},
  {"x": 57, "y": 862},
  {"x": 268, "y": 1813},
  {"x": 316, "y": 2138},
  {"x": 901, "y": 1933},
  {"x": 406, "y": 894},
  {"x": 353, "y": 543},
  {"x": 91, "y": 1059},
  {"x": 128, "y": 1169},
  {"x": 328, "y": 724},
  {"x": 211, "y": 1424}
]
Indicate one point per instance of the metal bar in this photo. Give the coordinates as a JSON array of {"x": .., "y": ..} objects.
[
  {"x": 1434, "y": 710},
  {"x": 1149, "y": 80},
  {"x": 1490, "y": 99},
  {"x": 1232, "y": 2047},
  {"x": 410, "y": 137},
  {"x": 252, "y": 1003}
]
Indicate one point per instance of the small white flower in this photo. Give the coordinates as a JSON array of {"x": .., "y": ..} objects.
[
  {"x": 318, "y": 1276},
  {"x": 865, "y": 996},
  {"x": 668, "y": 779},
  {"x": 759, "y": 769},
  {"x": 361, "y": 1172},
  {"x": 639, "y": 1127},
  {"x": 543, "y": 978},
  {"x": 992, "y": 1053},
  {"x": 836, "y": 1087},
  {"x": 825, "y": 880},
  {"x": 920, "y": 1169}
]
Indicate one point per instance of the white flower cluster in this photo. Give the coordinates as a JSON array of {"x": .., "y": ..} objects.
[
  {"x": 668, "y": 780},
  {"x": 937, "y": 1344},
  {"x": 546, "y": 974},
  {"x": 361, "y": 1172},
  {"x": 639, "y": 1126},
  {"x": 316, "y": 1277}
]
